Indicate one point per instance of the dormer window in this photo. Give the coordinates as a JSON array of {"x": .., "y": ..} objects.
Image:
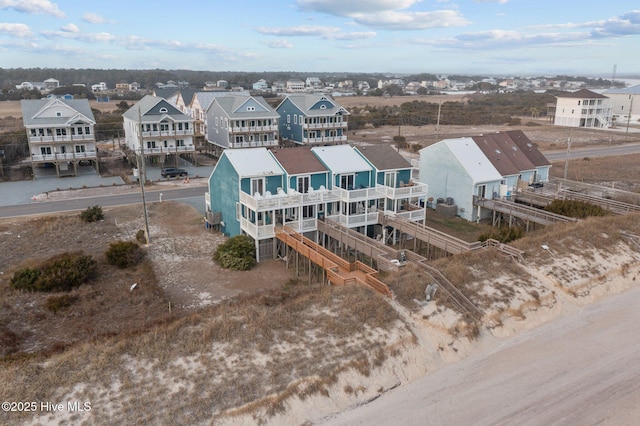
[
  {"x": 163, "y": 110},
  {"x": 58, "y": 114},
  {"x": 251, "y": 108}
]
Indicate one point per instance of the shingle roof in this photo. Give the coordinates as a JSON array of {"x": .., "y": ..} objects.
[
  {"x": 305, "y": 101},
  {"x": 144, "y": 105},
  {"x": 504, "y": 154},
  {"x": 341, "y": 159},
  {"x": 384, "y": 157},
  {"x": 528, "y": 148},
  {"x": 231, "y": 104},
  {"x": 582, "y": 94},
  {"x": 31, "y": 107},
  {"x": 206, "y": 98},
  {"x": 298, "y": 160}
]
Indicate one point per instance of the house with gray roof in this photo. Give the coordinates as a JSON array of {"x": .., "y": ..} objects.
[
  {"x": 60, "y": 132},
  {"x": 241, "y": 121},
  {"x": 156, "y": 128},
  {"x": 583, "y": 108},
  {"x": 622, "y": 103},
  {"x": 312, "y": 119}
]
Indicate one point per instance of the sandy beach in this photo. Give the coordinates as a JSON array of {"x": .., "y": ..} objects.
[{"x": 582, "y": 368}]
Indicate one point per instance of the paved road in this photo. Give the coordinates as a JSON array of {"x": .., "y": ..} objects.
[
  {"x": 607, "y": 151},
  {"x": 580, "y": 369},
  {"x": 47, "y": 207}
]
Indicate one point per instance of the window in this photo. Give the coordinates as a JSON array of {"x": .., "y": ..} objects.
[
  {"x": 180, "y": 142},
  {"x": 151, "y": 144},
  {"x": 239, "y": 138},
  {"x": 288, "y": 119},
  {"x": 216, "y": 121},
  {"x": 186, "y": 126},
  {"x": 166, "y": 144},
  {"x": 61, "y": 132},
  {"x": 155, "y": 127},
  {"x": 323, "y": 107},
  {"x": 295, "y": 119},
  {"x": 251, "y": 108},
  {"x": 80, "y": 149},
  {"x": 390, "y": 179},
  {"x": 257, "y": 186},
  {"x": 163, "y": 109},
  {"x": 179, "y": 126},
  {"x": 58, "y": 114},
  {"x": 45, "y": 150},
  {"x": 164, "y": 126},
  {"x": 303, "y": 184},
  {"x": 33, "y": 132},
  {"x": 346, "y": 181}
]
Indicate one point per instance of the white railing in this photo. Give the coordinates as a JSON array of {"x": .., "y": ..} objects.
[
  {"x": 325, "y": 139},
  {"x": 351, "y": 221},
  {"x": 354, "y": 195},
  {"x": 253, "y": 144},
  {"x": 302, "y": 225},
  {"x": 339, "y": 125},
  {"x": 167, "y": 133},
  {"x": 412, "y": 215},
  {"x": 319, "y": 196},
  {"x": 65, "y": 138},
  {"x": 65, "y": 156},
  {"x": 169, "y": 150},
  {"x": 414, "y": 190},
  {"x": 270, "y": 202},
  {"x": 238, "y": 129},
  {"x": 257, "y": 232}
]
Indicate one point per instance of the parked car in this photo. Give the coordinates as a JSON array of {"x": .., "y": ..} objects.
[{"x": 173, "y": 172}]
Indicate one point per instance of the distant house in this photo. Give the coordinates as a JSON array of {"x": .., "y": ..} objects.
[
  {"x": 240, "y": 121},
  {"x": 61, "y": 132},
  {"x": 622, "y": 102},
  {"x": 153, "y": 127},
  {"x": 488, "y": 166},
  {"x": 261, "y": 85},
  {"x": 583, "y": 108},
  {"x": 312, "y": 119},
  {"x": 313, "y": 84},
  {"x": 200, "y": 103},
  {"x": 100, "y": 87},
  {"x": 278, "y": 86},
  {"x": 295, "y": 86}
]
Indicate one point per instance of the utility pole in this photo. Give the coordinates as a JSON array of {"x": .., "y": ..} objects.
[
  {"x": 142, "y": 176},
  {"x": 629, "y": 118},
  {"x": 566, "y": 161},
  {"x": 438, "y": 122}
]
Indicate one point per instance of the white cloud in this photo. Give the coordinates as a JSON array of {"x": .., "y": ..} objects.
[
  {"x": 327, "y": 33},
  {"x": 492, "y": 1},
  {"x": 70, "y": 28},
  {"x": 86, "y": 37},
  {"x": 34, "y": 7},
  {"x": 348, "y": 7},
  {"x": 412, "y": 20},
  {"x": 16, "y": 30},
  {"x": 93, "y": 18},
  {"x": 278, "y": 44}
]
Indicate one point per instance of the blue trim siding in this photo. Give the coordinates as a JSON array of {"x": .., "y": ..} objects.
[
  {"x": 291, "y": 130},
  {"x": 223, "y": 190}
]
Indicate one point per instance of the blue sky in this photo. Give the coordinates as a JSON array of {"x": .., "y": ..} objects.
[{"x": 489, "y": 37}]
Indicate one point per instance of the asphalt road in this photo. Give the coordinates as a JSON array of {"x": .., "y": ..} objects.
[
  {"x": 48, "y": 207},
  {"x": 607, "y": 151}
]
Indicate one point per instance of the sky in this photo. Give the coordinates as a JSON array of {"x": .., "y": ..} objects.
[{"x": 471, "y": 37}]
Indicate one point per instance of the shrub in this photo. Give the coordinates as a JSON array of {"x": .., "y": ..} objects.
[
  {"x": 504, "y": 234},
  {"x": 58, "y": 273},
  {"x": 58, "y": 303},
  {"x": 123, "y": 254},
  {"x": 237, "y": 253},
  {"x": 574, "y": 208},
  {"x": 141, "y": 237},
  {"x": 92, "y": 214}
]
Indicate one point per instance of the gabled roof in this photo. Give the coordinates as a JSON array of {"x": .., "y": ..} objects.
[
  {"x": 472, "y": 159},
  {"x": 341, "y": 159},
  {"x": 298, "y": 160},
  {"x": 145, "y": 105},
  {"x": 582, "y": 94},
  {"x": 31, "y": 108},
  {"x": 306, "y": 101},
  {"x": 232, "y": 105},
  {"x": 503, "y": 153},
  {"x": 528, "y": 148},
  {"x": 384, "y": 157},
  {"x": 166, "y": 92},
  {"x": 253, "y": 162},
  {"x": 206, "y": 97}
]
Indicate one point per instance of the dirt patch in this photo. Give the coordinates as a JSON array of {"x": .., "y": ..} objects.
[{"x": 177, "y": 278}]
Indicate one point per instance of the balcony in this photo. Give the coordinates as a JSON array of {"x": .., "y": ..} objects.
[
  {"x": 327, "y": 139},
  {"x": 354, "y": 220},
  {"x": 167, "y": 133},
  {"x": 68, "y": 156},
  {"x": 412, "y": 215},
  {"x": 355, "y": 195},
  {"x": 247, "y": 129},
  {"x": 412, "y": 190},
  {"x": 253, "y": 144},
  {"x": 63, "y": 138},
  {"x": 318, "y": 196},
  {"x": 257, "y": 232},
  {"x": 169, "y": 150},
  {"x": 270, "y": 202},
  {"x": 302, "y": 225},
  {"x": 315, "y": 126}
]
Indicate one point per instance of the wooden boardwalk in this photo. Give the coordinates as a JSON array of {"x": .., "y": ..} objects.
[{"x": 339, "y": 271}]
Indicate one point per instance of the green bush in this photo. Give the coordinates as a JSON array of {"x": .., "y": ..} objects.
[
  {"x": 58, "y": 303},
  {"x": 504, "y": 234},
  {"x": 141, "y": 237},
  {"x": 238, "y": 253},
  {"x": 577, "y": 209},
  {"x": 92, "y": 214},
  {"x": 123, "y": 254},
  {"x": 58, "y": 273}
]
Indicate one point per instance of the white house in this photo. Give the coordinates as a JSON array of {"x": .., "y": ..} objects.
[
  {"x": 60, "y": 132},
  {"x": 583, "y": 108},
  {"x": 625, "y": 103}
]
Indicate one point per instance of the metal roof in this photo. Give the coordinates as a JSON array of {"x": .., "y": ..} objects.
[
  {"x": 341, "y": 159},
  {"x": 473, "y": 160},
  {"x": 305, "y": 101},
  {"x": 581, "y": 94},
  {"x": 253, "y": 162},
  {"x": 144, "y": 105},
  {"x": 633, "y": 90},
  {"x": 232, "y": 103},
  {"x": 384, "y": 157}
]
